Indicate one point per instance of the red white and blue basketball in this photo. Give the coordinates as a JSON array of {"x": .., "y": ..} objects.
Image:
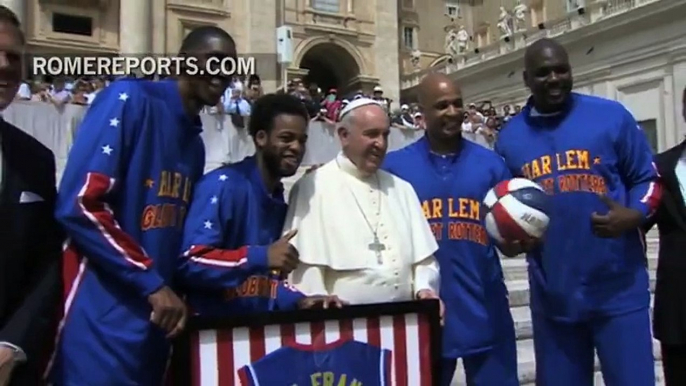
[{"x": 517, "y": 209}]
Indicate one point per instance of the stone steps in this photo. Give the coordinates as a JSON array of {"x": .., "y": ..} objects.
[{"x": 516, "y": 278}]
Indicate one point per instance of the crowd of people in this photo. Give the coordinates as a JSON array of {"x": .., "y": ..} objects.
[
  {"x": 148, "y": 237},
  {"x": 481, "y": 123}
]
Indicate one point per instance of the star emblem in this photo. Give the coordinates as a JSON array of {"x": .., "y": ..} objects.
[
  {"x": 123, "y": 96},
  {"x": 149, "y": 183},
  {"x": 223, "y": 177},
  {"x": 214, "y": 199},
  {"x": 596, "y": 161},
  {"x": 107, "y": 150},
  {"x": 114, "y": 122},
  {"x": 208, "y": 224}
]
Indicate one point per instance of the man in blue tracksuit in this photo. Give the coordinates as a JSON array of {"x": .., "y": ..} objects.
[
  {"x": 234, "y": 255},
  {"x": 122, "y": 201},
  {"x": 452, "y": 177},
  {"x": 589, "y": 278}
]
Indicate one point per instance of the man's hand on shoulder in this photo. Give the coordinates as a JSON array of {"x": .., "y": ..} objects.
[
  {"x": 427, "y": 294},
  {"x": 168, "y": 311},
  {"x": 321, "y": 301},
  {"x": 7, "y": 363},
  {"x": 616, "y": 221}
]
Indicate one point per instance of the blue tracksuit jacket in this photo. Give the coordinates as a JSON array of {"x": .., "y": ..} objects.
[
  {"x": 122, "y": 201},
  {"x": 451, "y": 190},
  {"x": 231, "y": 223},
  {"x": 593, "y": 147}
]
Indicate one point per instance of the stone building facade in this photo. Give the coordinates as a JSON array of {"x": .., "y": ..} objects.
[
  {"x": 346, "y": 44},
  {"x": 632, "y": 51}
]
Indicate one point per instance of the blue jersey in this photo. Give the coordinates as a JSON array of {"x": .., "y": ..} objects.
[
  {"x": 122, "y": 201},
  {"x": 342, "y": 363},
  {"x": 231, "y": 223},
  {"x": 594, "y": 147},
  {"x": 451, "y": 189}
]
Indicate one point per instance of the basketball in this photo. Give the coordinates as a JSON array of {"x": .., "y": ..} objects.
[{"x": 517, "y": 209}]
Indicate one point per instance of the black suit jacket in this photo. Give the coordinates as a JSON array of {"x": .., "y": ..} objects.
[
  {"x": 30, "y": 252},
  {"x": 669, "y": 319}
]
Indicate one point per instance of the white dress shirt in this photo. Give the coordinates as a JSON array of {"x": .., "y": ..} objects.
[
  {"x": 24, "y": 91},
  {"x": 680, "y": 171}
]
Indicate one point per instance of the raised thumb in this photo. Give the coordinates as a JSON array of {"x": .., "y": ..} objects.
[{"x": 289, "y": 235}]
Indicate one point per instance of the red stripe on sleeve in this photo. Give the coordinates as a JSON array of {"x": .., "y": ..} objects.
[
  {"x": 98, "y": 212},
  {"x": 205, "y": 254},
  {"x": 652, "y": 197}
]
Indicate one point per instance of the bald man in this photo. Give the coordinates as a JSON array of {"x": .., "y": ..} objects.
[
  {"x": 361, "y": 231},
  {"x": 452, "y": 177},
  {"x": 589, "y": 282},
  {"x": 122, "y": 201}
]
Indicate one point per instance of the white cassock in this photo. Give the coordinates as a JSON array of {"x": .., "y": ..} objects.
[{"x": 365, "y": 240}]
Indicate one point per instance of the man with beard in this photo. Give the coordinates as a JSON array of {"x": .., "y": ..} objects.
[
  {"x": 361, "y": 231},
  {"x": 235, "y": 258},
  {"x": 588, "y": 277},
  {"x": 452, "y": 177},
  {"x": 30, "y": 236},
  {"x": 669, "y": 317},
  {"x": 122, "y": 200}
]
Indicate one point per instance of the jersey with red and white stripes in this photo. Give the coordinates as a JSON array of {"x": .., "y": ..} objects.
[
  {"x": 344, "y": 361},
  {"x": 218, "y": 355}
]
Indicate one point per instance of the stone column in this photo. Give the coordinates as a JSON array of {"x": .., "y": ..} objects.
[
  {"x": 159, "y": 28},
  {"x": 679, "y": 83},
  {"x": 260, "y": 42},
  {"x": 18, "y": 7},
  {"x": 387, "y": 60},
  {"x": 135, "y": 27}
]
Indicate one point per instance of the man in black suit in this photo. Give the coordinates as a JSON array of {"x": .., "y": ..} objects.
[
  {"x": 30, "y": 285},
  {"x": 669, "y": 319}
]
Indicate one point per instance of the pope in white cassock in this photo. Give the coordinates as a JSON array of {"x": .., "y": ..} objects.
[{"x": 362, "y": 234}]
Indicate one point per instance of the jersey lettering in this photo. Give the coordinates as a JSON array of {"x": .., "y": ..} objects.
[
  {"x": 574, "y": 172},
  {"x": 455, "y": 219}
]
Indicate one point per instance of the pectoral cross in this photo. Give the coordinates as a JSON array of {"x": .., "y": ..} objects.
[{"x": 377, "y": 246}]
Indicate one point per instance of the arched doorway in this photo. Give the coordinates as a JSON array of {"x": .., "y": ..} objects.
[{"x": 330, "y": 66}]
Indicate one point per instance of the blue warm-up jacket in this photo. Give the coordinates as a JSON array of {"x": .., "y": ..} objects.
[
  {"x": 593, "y": 147},
  {"x": 451, "y": 189},
  {"x": 231, "y": 223},
  {"x": 122, "y": 201}
]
